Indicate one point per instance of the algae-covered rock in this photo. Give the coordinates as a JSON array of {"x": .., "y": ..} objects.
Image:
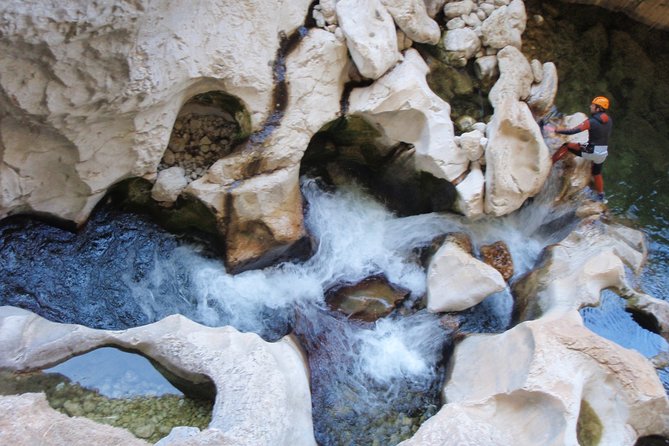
[{"x": 589, "y": 427}]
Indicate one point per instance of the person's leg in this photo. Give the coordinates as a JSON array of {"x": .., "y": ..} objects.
[
  {"x": 598, "y": 179},
  {"x": 572, "y": 147}
]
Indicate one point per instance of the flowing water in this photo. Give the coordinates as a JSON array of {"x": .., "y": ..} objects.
[
  {"x": 640, "y": 201},
  {"x": 372, "y": 382}
]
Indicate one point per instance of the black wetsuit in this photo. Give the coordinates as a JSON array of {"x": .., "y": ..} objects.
[{"x": 599, "y": 127}]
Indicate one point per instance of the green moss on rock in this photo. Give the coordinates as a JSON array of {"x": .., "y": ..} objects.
[
  {"x": 188, "y": 214},
  {"x": 589, "y": 427},
  {"x": 148, "y": 417}
]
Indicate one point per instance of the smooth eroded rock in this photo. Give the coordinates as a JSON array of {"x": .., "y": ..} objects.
[{"x": 456, "y": 280}]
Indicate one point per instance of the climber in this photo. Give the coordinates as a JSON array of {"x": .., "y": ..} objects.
[{"x": 599, "y": 127}]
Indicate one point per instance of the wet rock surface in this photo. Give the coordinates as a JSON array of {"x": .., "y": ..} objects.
[
  {"x": 89, "y": 277},
  {"x": 498, "y": 256},
  {"x": 368, "y": 300}
]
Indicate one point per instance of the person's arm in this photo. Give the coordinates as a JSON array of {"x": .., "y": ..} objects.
[{"x": 583, "y": 126}]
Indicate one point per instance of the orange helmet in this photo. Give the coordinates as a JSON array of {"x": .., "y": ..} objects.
[{"x": 601, "y": 101}]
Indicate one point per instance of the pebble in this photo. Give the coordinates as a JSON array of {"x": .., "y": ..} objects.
[
  {"x": 197, "y": 142},
  {"x": 145, "y": 431}
]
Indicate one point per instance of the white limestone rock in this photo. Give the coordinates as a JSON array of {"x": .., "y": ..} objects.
[
  {"x": 329, "y": 11},
  {"x": 412, "y": 18},
  {"x": 574, "y": 272},
  {"x": 536, "y": 398},
  {"x": 27, "y": 420},
  {"x": 403, "y": 42},
  {"x": 473, "y": 143},
  {"x": 169, "y": 184},
  {"x": 313, "y": 102},
  {"x": 515, "y": 79},
  {"x": 265, "y": 216},
  {"x": 542, "y": 94},
  {"x": 455, "y": 23},
  {"x": 486, "y": 67},
  {"x": 179, "y": 435},
  {"x": 456, "y": 280},
  {"x": 458, "y": 8},
  {"x": 255, "y": 380},
  {"x": 433, "y": 6},
  {"x": 462, "y": 44},
  {"x": 517, "y": 158},
  {"x": 537, "y": 70},
  {"x": 505, "y": 26},
  {"x": 470, "y": 198},
  {"x": 93, "y": 89},
  {"x": 577, "y": 171},
  {"x": 404, "y": 109},
  {"x": 465, "y": 424},
  {"x": 472, "y": 20},
  {"x": 314, "y": 97},
  {"x": 486, "y": 8},
  {"x": 657, "y": 310},
  {"x": 318, "y": 17},
  {"x": 370, "y": 36}
]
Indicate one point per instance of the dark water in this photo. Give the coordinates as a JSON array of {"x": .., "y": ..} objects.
[
  {"x": 639, "y": 196},
  {"x": 350, "y": 399},
  {"x": 379, "y": 381},
  {"x": 87, "y": 277},
  {"x": 599, "y": 52},
  {"x": 638, "y": 199}
]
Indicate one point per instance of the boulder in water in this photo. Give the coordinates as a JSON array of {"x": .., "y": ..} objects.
[
  {"x": 456, "y": 280},
  {"x": 169, "y": 184},
  {"x": 573, "y": 272},
  {"x": 535, "y": 399},
  {"x": 254, "y": 379},
  {"x": 470, "y": 198},
  {"x": 498, "y": 256},
  {"x": 517, "y": 160},
  {"x": 369, "y": 300}
]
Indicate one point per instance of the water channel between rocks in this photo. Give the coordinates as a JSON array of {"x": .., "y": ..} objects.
[
  {"x": 113, "y": 387},
  {"x": 372, "y": 383}
]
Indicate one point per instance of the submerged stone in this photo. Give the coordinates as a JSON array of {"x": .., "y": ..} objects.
[
  {"x": 147, "y": 417},
  {"x": 369, "y": 300}
]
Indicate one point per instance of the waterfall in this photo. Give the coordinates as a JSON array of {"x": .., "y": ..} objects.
[{"x": 355, "y": 237}]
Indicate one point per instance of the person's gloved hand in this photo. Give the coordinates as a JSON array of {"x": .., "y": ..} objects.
[{"x": 550, "y": 128}]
